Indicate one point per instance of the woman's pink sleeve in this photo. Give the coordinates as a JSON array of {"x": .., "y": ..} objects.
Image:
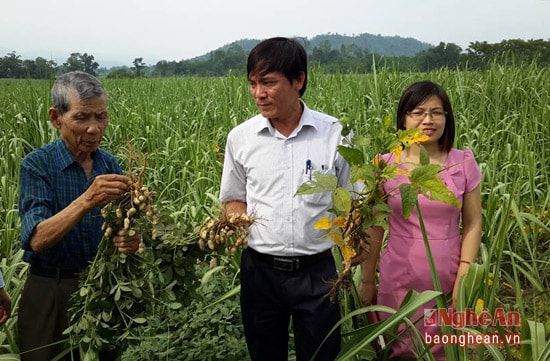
[{"x": 471, "y": 171}]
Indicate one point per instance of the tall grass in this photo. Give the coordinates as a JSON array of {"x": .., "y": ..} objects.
[{"x": 181, "y": 123}]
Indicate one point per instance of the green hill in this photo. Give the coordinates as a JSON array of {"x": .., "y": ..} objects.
[{"x": 378, "y": 44}]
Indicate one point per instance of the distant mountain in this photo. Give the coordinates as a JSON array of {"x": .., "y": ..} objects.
[{"x": 378, "y": 44}]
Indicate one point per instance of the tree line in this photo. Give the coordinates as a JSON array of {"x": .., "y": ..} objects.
[{"x": 344, "y": 59}]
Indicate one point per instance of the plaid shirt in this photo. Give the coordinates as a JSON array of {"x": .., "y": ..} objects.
[{"x": 50, "y": 180}]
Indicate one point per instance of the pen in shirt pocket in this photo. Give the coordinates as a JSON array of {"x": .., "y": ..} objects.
[{"x": 308, "y": 168}]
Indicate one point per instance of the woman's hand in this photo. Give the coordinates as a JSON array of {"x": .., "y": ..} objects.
[
  {"x": 462, "y": 270},
  {"x": 367, "y": 292}
]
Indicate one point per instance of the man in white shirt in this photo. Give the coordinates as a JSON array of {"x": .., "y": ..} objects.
[{"x": 285, "y": 269}]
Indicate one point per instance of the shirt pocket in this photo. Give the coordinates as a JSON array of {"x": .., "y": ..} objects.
[{"x": 320, "y": 198}]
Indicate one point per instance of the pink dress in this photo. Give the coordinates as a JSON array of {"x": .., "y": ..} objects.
[{"x": 404, "y": 264}]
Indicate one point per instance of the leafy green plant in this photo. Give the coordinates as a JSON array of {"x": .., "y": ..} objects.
[
  {"x": 365, "y": 206},
  {"x": 118, "y": 290},
  {"x": 208, "y": 328}
]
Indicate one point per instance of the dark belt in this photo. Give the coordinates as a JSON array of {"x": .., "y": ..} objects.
[
  {"x": 290, "y": 263},
  {"x": 52, "y": 272}
]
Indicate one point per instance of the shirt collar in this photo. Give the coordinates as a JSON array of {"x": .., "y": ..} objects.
[
  {"x": 305, "y": 120},
  {"x": 64, "y": 156}
]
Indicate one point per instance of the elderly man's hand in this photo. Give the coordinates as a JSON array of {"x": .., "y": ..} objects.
[
  {"x": 106, "y": 188},
  {"x": 125, "y": 243}
]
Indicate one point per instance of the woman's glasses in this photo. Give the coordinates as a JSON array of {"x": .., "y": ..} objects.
[{"x": 420, "y": 114}]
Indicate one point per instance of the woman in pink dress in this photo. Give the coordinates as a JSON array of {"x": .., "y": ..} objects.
[{"x": 454, "y": 234}]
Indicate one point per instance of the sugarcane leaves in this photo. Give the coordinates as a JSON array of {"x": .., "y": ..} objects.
[{"x": 470, "y": 286}]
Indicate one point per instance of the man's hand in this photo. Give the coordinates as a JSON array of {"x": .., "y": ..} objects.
[
  {"x": 125, "y": 243},
  {"x": 106, "y": 188},
  {"x": 361, "y": 255},
  {"x": 5, "y": 307}
]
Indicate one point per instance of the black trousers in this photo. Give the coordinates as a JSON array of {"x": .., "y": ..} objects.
[{"x": 271, "y": 298}]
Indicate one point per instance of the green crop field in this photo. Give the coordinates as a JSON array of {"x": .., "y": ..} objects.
[{"x": 502, "y": 114}]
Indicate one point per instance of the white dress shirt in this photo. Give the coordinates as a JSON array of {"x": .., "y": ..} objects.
[{"x": 264, "y": 168}]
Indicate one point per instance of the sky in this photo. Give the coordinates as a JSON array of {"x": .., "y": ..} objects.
[{"x": 118, "y": 31}]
